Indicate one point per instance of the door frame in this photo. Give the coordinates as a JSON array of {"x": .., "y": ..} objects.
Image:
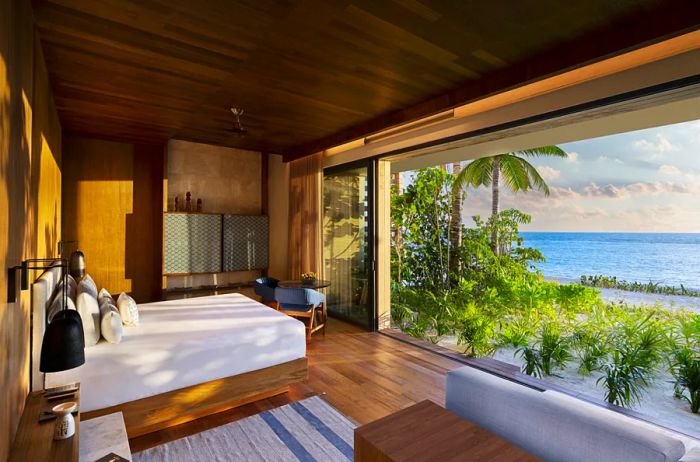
[{"x": 371, "y": 322}]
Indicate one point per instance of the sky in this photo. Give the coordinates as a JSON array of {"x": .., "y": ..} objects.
[{"x": 642, "y": 181}]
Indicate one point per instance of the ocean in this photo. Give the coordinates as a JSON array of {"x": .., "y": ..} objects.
[{"x": 665, "y": 258}]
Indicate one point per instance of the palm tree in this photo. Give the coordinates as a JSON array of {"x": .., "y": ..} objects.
[{"x": 518, "y": 174}]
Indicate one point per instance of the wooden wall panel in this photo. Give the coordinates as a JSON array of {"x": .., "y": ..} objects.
[
  {"x": 30, "y": 139},
  {"x": 228, "y": 180},
  {"x": 111, "y": 204}
]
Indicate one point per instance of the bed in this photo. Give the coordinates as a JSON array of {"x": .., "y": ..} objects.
[{"x": 190, "y": 358}]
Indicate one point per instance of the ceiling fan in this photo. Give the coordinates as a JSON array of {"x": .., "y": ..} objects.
[{"x": 237, "y": 128}]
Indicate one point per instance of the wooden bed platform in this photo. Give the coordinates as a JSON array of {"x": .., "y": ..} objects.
[{"x": 179, "y": 406}]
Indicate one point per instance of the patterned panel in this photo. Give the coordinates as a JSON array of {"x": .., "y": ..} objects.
[
  {"x": 192, "y": 243},
  {"x": 245, "y": 242}
]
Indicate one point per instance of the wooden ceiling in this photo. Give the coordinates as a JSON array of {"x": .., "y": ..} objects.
[{"x": 312, "y": 74}]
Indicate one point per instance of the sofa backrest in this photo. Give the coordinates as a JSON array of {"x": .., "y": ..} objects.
[{"x": 552, "y": 425}]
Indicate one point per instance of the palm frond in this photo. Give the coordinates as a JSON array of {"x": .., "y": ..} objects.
[
  {"x": 535, "y": 179},
  {"x": 476, "y": 173},
  {"x": 542, "y": 151},
  {"x": 513, "y": 172}
]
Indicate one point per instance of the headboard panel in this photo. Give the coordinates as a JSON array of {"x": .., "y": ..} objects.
[{"x": 43, "y": 290}]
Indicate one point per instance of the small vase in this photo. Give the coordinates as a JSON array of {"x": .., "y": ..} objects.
[{"x": 65, "y": 423}]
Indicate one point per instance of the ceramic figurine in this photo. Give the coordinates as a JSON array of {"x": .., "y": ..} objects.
[
  {"x": 188, "y": 202},
  {"x": 199, "y": 205},
  {"x": 177, "y": 203},
  {"x": 65, "y": 423}
]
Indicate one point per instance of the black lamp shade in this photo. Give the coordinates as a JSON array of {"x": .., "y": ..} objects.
[
  {"x": 76, "y": 266},
  {"x": 73, "y": 314},
  {"x": 63, "y": 346}
]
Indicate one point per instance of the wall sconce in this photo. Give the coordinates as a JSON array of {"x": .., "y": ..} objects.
[{"x": 63, "y": 345}]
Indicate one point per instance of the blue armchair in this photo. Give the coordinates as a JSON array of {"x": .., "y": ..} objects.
[
  {"x": 265, "y": 288},
  {"x": 304, "y": 303}
]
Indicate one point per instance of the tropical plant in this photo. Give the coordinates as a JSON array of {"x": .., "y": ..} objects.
[
  {"x": 455, "y": 231},
  {"x": 550, "y": 350},
  {"x": 532, "y": 360},
  {"x": 685, "y": 369},
  {"x": 591, "y": 350},
  {"x": 518, "y": 174},
  {"x": 612, "y": 282},
  {"x": 475, "y": 329},
  {"x": 624, "y": 378}
]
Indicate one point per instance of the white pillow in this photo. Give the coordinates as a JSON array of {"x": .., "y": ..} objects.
[
  {"x": 87, "y": 285},
  {"x": 90, "y": 315},
  {"x": 103, "y": 296},
  {"x": 128, "y": 310},
  {"x": 110, "y": 323},
  {"x": 57, "y": 305},
  {"x": 72, "y": 287}
]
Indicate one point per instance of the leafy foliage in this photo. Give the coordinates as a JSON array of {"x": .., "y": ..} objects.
[
  {"x": 495, "y": 298},
  {"x": 612, "y": 282}
]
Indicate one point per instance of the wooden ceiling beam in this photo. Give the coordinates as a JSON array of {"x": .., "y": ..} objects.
[{"x": 633, "y": 31}]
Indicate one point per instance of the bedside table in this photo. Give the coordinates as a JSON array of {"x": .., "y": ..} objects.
[{"x": 102, "y": 435}]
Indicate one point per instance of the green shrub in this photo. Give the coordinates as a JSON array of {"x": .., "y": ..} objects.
[
  {"x": 532, "y": 359},
  {"x": 476, "y": 331},
  {"x": 590, "y": 349},
  {"x": 624, "y": 379},
  {"x": 686, "y": 372},
  {"x": 550, "y": 350}
]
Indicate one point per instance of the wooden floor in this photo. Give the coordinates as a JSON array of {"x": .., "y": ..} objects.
[{"x": 364, "y": 375}]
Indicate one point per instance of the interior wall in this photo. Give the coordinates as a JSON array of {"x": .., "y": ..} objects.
[
  {"x": 228, "y": 180},
  {"x": 278, "y": 211},
  {"x": 30, "y": 203},
  {"x": 112, "y": 194}
]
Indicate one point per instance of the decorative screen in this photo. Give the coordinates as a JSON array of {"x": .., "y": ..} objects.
[
  {"x": 192, "y": 243},
  {"x": 245, "y": 242}
]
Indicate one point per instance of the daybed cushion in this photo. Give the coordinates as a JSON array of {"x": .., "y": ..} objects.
[
  {"x": 90, "y": 315},
  {"x": 110, "y": 322},
  {"x": 554, "y": 426},
  {"x": 691, "y": 456},
  {"x": 87, "y": 285},
  {"x": 128, "y": 310},
  {"x": 57, "y": 305}
]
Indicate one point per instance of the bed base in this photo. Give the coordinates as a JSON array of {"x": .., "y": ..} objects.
[{"x": 186, "y": 404}]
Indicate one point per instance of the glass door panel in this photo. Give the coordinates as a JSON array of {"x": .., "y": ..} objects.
[{"x": 347, "y": 240}]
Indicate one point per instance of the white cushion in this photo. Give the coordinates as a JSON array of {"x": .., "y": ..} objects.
[
  {"x": 104, "y": 295},
  {"x": 87, "y": 285},
  {"x": 90, "y": 315},
  {"x": 128, "y": 310},
  {"x": 110, "y": 323},
  {"x": 72, "y": 288},
  {"x": 57, "y": 305}
]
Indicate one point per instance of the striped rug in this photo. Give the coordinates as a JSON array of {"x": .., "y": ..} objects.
[{"x": 308, "y": 430}]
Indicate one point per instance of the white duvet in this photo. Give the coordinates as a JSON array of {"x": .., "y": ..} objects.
[{"x": 180, "y": 343}]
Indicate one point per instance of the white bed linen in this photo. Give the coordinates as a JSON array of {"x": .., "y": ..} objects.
[{"x": 181, "y": 343}]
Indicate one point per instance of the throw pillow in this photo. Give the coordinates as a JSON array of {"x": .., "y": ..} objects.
[
  {"x": 57, "y": 305},
  {"x": 90, "y": 315},
  {"x": 87, "y": 285},
  {"x": 110, "y": 323},
  {"x": 128, "y": 310}
]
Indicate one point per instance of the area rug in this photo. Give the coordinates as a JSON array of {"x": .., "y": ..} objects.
[{"x": 308, "y": 430}]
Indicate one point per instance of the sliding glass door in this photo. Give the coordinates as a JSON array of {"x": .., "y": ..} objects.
[{"x": 348, "y": 240}]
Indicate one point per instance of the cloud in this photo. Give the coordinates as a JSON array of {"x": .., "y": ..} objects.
[
  {"x": 572, "y": 157},
  {"x": 670, "y": 170},
  {"x": 639, "y": 189},
  {"x": 609, "y": 190},
  {"x": 608, "y": 159},
  {"x": 548, "y": 173},
  {"x": 658, "y": 147}
]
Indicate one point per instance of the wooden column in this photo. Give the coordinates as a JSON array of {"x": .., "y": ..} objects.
[{"x": 383, "y": 244}]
